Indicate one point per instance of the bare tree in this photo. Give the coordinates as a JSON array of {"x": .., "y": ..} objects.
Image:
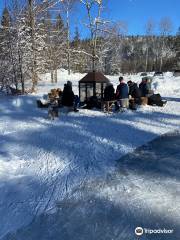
[
  {"x": 67, "y": 8},
  {"x": 165, "y": 26},
  {"x": 150, "y": 25},
  {"x": 94, "y": 24},
  {"x": 109, "y": 46},
  {"x": 165, "y": 29}
]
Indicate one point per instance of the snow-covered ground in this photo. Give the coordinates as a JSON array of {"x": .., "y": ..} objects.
[{"x": 44, "y": 163}]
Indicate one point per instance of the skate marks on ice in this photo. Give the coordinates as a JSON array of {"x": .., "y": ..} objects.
[{"x": 143, "y": 191}]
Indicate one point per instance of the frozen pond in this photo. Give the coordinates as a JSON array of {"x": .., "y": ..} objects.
[{"x": 143, "y": 192}]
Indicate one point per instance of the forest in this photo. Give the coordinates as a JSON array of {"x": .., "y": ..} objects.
[{"x": 36, "y": 37}]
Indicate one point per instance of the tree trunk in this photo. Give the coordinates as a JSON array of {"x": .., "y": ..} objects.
[
  {"x": 68, "y": 42},
  {"x": 161, "y": 63},
  {"x": 161, "y": 59},
  {"x": 21, "y": 72},
  {"x": 32, "y": 25},
  {"x": 55, "y": 75},
  {"x": 147, "y": 56},
  {"x": 52, "y": 76},
  {"x": 34, "y": 82},
  {"x": 12, "y": 61}
]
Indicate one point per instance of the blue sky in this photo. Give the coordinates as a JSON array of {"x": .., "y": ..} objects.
[{"x": 135, "y": 13}]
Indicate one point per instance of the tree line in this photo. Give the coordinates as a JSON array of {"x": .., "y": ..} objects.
[{"x": 33, "y": 41}]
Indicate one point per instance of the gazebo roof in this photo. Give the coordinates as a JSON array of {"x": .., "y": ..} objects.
[{"x": 94, "y": 77}]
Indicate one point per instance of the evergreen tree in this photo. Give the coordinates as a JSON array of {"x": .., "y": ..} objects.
[
  {"x": 76, "y": 35},
  {"x": 5, "y": 21},
  {"x": 8, "y": 62},
  {"x": 59, "y": 25}
]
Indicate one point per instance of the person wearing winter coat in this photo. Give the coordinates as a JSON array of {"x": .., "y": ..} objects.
[
  {"x": 68, "y": 97},
  {"x": 134, "y": 92},
  {"x": 109, "y": 92},
  {"x": 145, "y": 87},
  {"x": 122, "y": 94}
]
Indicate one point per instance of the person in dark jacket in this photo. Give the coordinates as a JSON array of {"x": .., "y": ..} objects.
[
  {"x": 68, "y": 97},
  {"x": 134, "y": 92},
  {"x": 122, "y": 94},
  {"x": 144, "y": 86},
  {"x": 122, "y": 89},
  {"x": 109, "y": 92}
]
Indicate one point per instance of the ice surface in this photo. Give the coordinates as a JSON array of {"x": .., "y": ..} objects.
[{"x": 44, "y": 162}]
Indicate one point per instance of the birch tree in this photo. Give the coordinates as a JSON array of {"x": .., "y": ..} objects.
[
  {"x": 95, "y": 22},
  {"x": 149, "y": 39},
  {"x": 165, "y": 29},
  {"x": 67, "y": 8}
]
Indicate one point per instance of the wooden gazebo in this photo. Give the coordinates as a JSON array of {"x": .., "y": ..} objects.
[{"x": 93, "y": 84}]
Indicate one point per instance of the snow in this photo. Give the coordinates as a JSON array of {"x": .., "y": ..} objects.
[{"x": 43, "y": 162}]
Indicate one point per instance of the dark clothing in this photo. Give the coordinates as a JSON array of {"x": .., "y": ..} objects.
[
  {"x": 156, "y": 99},
  {"x": 132, "y": 104},
  {"x": 67, "y": 96},
  {"x": 109, "y": 93},
  {"x": 122, "y": 91},
  {"x": 42, "y": 105},
  {"x": 134, "y": 91},
  {"x": 144, "y": 88}
]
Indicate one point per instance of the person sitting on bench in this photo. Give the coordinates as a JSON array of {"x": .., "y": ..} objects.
[{"x": 134, "y": 92}]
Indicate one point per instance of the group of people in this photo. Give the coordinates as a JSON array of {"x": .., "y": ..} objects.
[{"x": 129, "y": 94}]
